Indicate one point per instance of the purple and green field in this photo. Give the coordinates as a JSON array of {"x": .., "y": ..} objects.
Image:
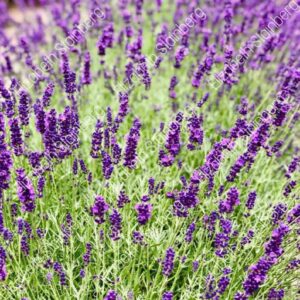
[{"x": 150, "y": 150}]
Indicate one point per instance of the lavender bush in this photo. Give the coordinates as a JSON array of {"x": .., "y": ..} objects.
[{"x": 150, "y": 150}]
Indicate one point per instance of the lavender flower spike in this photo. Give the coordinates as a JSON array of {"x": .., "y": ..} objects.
[{"x": 25, "y": 191}]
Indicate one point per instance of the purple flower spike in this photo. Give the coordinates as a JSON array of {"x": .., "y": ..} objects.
[
  {"x": 87, "y": 255},
  {"x": 107, "y": 165},
  {"x": 133, "y": 137},
  {"x": 49, "y": 91},
  {"x": 144, "y": 211},
  {"x": 86, "y": 76},
  {"x": 167, "y": 296},
  {"x": 3, "y": 273},
  {"x": 116, "y": 226},
  {"x": 24, "y": 108},
  {"x": 196, "y": 131},
  {"x": 168, "y": 263},
  {"x": 275, "y": 294},
  {"x": 251, "y": 200},
  {"x": 97, "y": 138},
  {"x": 99, "y": 209},
  {"x": 294, "y": 214},
  {"x": 16, "y": 137},
  {"x": 111, "y": 295},
  {"x": 69, "y": 75},
  {"x": 122, "y": 199},
  {"x": 5, "y": 159},
  {"x": 189, "y": 233},
  {"x": 25, "y": 191},
  {"x": 232, "y": 200}
]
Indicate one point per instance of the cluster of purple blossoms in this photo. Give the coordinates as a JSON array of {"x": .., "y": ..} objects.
[
  {"x": 203, "y": 100},
  {"x": 172, "y": 143},
  {"x": 99, "y": 209},
  {"x": 289, "y": 188},
  {"x": 69, "y": 75},
  {"x": 61, "y": 273},
  {"x": 40, "y": 186},
  {"x": 26, "y": 192},
  {"x": 180, "y": 54},
  {"x": 168, "y": 263},
  {"x": 123, "y": 108},
  {"x": 142, "y": 70},
  {"x": 167, "y": 296},
  {"x": 251, "y": 200},
  {"x": 196, "y": 131},
  {"x": 115, "y": 220},
  {"x": 221, "y": 241},
  {"x": 278, "y": 213},
  {"x": 97, "y": 138},
  {"x": 144, "y": 211},
  {"x": 50, "y": 137},
  {"x": 204, "y": 67},
  {"x": 111, "y": 295},
  {"x": 247, "y": 239},
  {"x": 16, "y": 137},
  {"x": 107, "y": 165},
  {"x": 222, "y": 285},
  {"x": 213, "y": 161},
  {"x": 138, "y": 238},
  {"x": 210, "y": 221},
  {"x": 106, "y": 40},
  {"x": 186, "y": 198},
  {"x": 5, "y": 159},
  {"x": 232, "y": 200},
  {"x": 86, "y": 76},
  {"x": 40, "y": 116},
  {"x": 24, "y": 104},
  {"x": 257, "y": 141},
  {"x": 122, "y": 199},
  {"x": 294, "y": 214},
  {"x": 295, "y": 163},
  {"x": 173, "y": 83},
  {"x": 48, "y": 93},
  {"x": 151, "y": 185},
  {"x": 130, "y": 155},
  {"x": 276, "y": 294},
  {"x": 258, "y": 273},
  {"x": 3, "y": 273},
  {"x": 66, "y": 229},
  {"x": 87, "y": 255},
  {"x": 189, "y": 232}
]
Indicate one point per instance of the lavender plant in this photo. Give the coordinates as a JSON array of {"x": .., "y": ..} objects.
[{"x": 150, "y": 150}]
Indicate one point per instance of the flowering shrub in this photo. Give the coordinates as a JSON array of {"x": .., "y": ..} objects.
[{"x": 150, "y": 150}]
